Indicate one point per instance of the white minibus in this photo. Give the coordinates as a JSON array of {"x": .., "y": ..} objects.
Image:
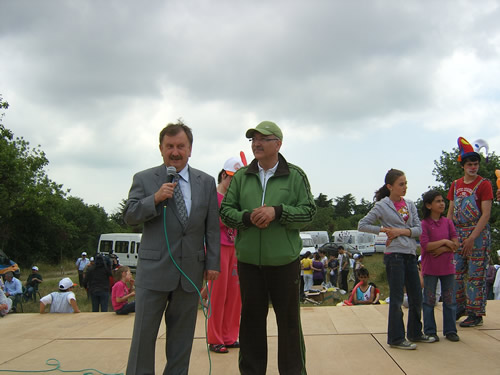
[
  {"x": 364, "y": 242},
  {"x": 124, "y": 245}
]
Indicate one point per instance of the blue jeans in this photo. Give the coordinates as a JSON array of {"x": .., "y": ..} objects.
[
  {"x": 128, "y": 308},
  {"x": 449, "y": 303},
  {"x": 308, "y": 282},
  {"x": 402, "y": 272},
  {"x": 99, "y": 298}
]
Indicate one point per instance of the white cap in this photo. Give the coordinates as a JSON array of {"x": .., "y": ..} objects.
[
  {"x": 34, "y": 268},
  {"x": 84, "y": 254},
  {"x": 355, "y": 256},
  {"x": 232, "y": 165},
  {"x": 65, "y": 283},
  {"x": 91, "y": 259}
]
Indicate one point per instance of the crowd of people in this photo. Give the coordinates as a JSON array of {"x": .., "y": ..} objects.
[{"x": 102, "y": 277}]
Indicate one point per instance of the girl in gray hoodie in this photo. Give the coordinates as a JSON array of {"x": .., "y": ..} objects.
[{"x": 398, "y": 218}]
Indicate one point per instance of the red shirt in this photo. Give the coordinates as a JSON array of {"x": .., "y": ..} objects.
[{"x": 484, "y": 191}]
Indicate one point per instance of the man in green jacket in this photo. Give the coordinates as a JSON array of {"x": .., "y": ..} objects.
[{"x": 268, "y": 202}]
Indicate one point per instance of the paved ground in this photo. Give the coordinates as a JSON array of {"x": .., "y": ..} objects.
[{"x": 339, "y": 340}]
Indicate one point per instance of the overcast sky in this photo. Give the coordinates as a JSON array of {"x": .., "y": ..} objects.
[{"x": 358, "y": 87}]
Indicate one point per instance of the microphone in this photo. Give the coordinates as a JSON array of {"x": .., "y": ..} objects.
[{"x": 171, "y": 174}]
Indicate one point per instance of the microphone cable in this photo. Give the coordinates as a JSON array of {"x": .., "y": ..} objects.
[{"x": 207, "y": 311}]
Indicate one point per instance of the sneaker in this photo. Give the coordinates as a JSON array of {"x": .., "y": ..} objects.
[
  {"x": 452, "y": 336},
  {"x": 425, "y": 339},
  {"x": 405, "y": 345},
  {"x": 435, "y": 337},
  {"x": 472, "y": 321}
]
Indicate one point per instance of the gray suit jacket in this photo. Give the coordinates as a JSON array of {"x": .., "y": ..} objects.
[{"x": 155, "y": 269}]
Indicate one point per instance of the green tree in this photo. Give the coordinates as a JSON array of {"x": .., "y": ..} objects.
[
  {"x": 37, "y": 219},
  {"x": 344, "y": 206},
  {"x": 121, "y": 226},
  {"x": 363, "y": 207},
  {"x": 25, "y": 186},
  {"x": 322, "y": 201}
]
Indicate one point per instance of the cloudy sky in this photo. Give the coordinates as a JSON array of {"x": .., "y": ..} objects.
[{"x": 358, "y": 87}]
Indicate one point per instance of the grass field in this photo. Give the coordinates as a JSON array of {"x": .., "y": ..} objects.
[
  {"x": 375, "y": 266},
  {"x": 52, "y": 274}
]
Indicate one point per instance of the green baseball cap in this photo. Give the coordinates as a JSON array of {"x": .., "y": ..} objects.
[{"x": 266, "y": 128}]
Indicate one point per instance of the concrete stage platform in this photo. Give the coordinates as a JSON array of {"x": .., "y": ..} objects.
[{"x": 339, "y": 340}]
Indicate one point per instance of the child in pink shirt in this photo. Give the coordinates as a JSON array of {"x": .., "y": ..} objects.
[
  {"x": 120, "y": 293},
  {"x": 438, "y": 241}
]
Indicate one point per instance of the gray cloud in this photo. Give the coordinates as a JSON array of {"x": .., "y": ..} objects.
[{"x": 93, "y": 82}]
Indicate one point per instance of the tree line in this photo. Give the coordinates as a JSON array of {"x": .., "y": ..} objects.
[{"x": 40, "y": 221}]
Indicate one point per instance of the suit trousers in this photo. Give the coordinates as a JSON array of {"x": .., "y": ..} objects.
[
  {"x": 180, "y": 310},
  {"x": 281, "y": 284}
]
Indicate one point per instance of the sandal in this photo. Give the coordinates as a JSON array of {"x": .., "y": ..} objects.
[
  {"x": 220, "y": 348},
  {"x": 235, "y": 344}
]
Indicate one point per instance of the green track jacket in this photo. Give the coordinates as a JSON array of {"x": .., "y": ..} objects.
[{"x": 288, "y": 191}]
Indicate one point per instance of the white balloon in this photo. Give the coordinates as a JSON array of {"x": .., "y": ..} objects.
[{"x": 478, "y": 144}]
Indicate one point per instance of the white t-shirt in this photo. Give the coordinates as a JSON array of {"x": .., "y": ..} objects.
[{"x": 61, "y": 301}]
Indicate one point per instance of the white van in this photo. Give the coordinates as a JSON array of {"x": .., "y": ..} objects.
[
  {"x": 124, "y": 245},
  {"x": 307, "y": 244},
  {"x": 319, "y": 237},
  {"x": 364, "y": 242},
  {"x": 380, "y": 241}
]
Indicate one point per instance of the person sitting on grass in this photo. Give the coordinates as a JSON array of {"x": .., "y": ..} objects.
[
  {"x": 63, "y": 301},
  {"x": 5, "y": 303},
  {"x": 363, "y": 293},
  {"x": 34, "y": 280},
  {"x": 121, "y": 293}
]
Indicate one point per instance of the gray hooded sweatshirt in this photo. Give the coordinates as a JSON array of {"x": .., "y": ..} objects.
[{"x": 385, "y": 213}]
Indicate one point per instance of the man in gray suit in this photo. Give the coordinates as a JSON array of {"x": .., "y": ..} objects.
[{"x": 181, "y": 221}]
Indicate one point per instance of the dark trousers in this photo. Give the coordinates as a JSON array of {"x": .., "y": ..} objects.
[
  {"x": 343, "y": 279},
  {"x": 281, "y": 284},
  {"x": 402, "y": 272},
  {"x": 179, "y": 309},
  {"x": 126, "y": 309},
  {"x": 99, "y": 298},
  {"x": 80, "y": 278}
]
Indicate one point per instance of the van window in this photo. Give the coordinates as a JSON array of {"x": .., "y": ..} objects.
[
  {"x": 138, "y": 246},
  {"x": 106, "y": 246},
  {"x": 121, "y": 247},
  {"x": 132, "y": 247}
]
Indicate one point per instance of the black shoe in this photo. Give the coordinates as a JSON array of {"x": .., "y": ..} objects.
[
  {"x": 472, "y": 321},
  {"x": 452, "y": 336},
  {"x": 460, "y": 313}
]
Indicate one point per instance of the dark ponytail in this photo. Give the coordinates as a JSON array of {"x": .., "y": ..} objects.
[{"x": 390, "y": 178}]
